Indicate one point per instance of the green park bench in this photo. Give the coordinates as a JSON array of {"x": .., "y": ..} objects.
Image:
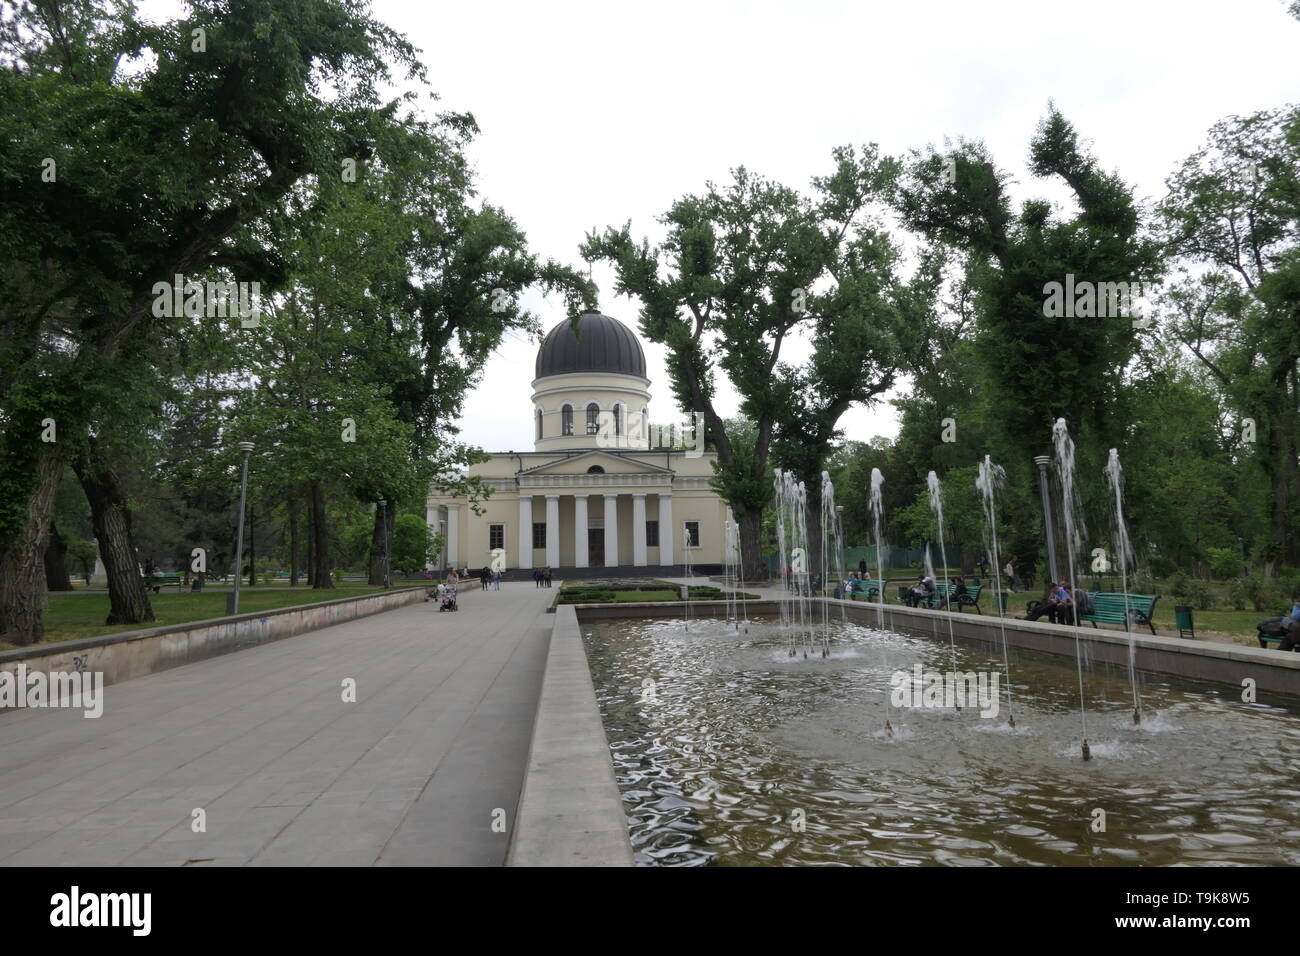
[
  {"x": 1109, "y": 608},
  {"x": 1267, "y": 639},
  {"x": 970, "y": 599},
  {"x": 159, "y": 581},
  {"x": 871, "y": 589}
]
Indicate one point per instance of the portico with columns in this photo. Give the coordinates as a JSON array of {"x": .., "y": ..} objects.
[{"x": 593, "y": 493}]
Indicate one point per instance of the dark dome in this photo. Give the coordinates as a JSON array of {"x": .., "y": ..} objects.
[{"x": 602, "y": 345}]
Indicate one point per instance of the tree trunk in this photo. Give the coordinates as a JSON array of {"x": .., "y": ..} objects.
[
  {"x": 321, "y": 577},
  {"x": 750, "y": 524},
  {"x": 813, "y": 512},
  {"x": 1278, "y": 462},
  {"x": 293, "y": 542},
  {"x": 111, "y": 517},
  {"x": 380, "y": 544},
  {"x": 252, "y": 547},
  {"x": 22, "y": 566},
  {"x": 967, "y": 562},
  {"x": 56, "y": 562}
]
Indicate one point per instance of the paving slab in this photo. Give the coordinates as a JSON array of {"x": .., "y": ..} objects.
[{"x": 414, "y": 772}]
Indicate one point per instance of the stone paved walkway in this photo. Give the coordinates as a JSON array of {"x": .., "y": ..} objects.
[{"x": 286, "y": 772}]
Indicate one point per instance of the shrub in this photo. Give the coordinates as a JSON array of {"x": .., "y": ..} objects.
[
  {"x": 1200, "y": 594},
  {"x": 1224, "y": 562},
  {"x": 1263, "y": 595},
  {"x": 1238, "y": 594},
  {"x": 577, "y": 596},
  {"x": 1179, "y": 586},
  {"x": 1163, "y": 566}
]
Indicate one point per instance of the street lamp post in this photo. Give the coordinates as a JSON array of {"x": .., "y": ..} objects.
[
  {"x": 232, "y": 599},
  {"x": 1043, "y": 461},
  {"x": 388, "y": 548}
]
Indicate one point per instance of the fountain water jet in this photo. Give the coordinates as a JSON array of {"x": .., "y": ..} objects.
[
  {"x": 832, "y": 546},
  {"x": 987, "y": 483},
  {"x": 792, "y": 511},
  {"x": 784, "y": 600},
  {"x": 1064, "y": 448},
  {"x": 936, "y": 505},
  {"x": 1123, "y": 554},
  {"x": 876, "y": 504}
]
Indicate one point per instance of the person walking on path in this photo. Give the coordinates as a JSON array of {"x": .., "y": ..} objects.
[
  {"x": 548, "y": 576},
  {"x": 496, "y": 580},
  {"x": 537, "y": 577}
]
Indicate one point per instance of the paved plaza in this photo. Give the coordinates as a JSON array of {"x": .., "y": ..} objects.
[{"x": 415, "y": 772}]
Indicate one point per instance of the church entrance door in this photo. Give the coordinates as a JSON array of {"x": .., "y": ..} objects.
[{"x": 596, "y": 547}]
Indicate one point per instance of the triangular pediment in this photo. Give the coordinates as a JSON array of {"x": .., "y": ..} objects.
[{"x": 614, "y": 464}]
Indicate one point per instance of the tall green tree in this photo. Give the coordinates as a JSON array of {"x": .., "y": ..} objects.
[
  {"x": 1044, "y": 366},
  {"x": 1232, "y": 217},
  {"x": 118, "y": 180},
  {"x": 747, "y": 268}
]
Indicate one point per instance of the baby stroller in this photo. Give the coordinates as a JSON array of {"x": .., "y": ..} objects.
[{"x": 446, "y": 597}]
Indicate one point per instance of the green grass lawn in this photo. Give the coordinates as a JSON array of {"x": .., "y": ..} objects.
[
  {"x": 71, "y": 616},
  {"x": 630, "y": 597}
]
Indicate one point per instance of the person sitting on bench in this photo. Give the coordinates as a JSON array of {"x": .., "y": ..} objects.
[
  {"x": 1291, "y": 634},
  {"x": 956, "y": 591},
  {"x": 1058, "y": 600},
  {"x": 923, "y": 590},
  {"x": 848, "y": 586}
]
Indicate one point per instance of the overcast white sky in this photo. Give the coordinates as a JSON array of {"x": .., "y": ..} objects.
[{"x": 594, "y": 113}]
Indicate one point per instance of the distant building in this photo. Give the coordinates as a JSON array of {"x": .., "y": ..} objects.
[{"x": 593, "y": 492}]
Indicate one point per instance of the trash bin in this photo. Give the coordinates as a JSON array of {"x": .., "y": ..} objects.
[
  {"x": 196, "y": 584},
  {"x": 1183, "y": 618},
  {"x": 1002, "y": 603}
]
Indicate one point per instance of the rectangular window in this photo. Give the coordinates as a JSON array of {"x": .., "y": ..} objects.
[
  {"x": 652, "y": 534},
  {"x": 539, "y": 534},
  {"x": 496, "y": 536},
  {"x": 692, "y": 533}
]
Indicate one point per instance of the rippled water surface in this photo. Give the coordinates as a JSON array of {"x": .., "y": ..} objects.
[{"x": 725, "y": 746}]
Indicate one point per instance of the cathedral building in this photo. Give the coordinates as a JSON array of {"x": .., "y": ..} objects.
[{"x": 597, "y": 490}]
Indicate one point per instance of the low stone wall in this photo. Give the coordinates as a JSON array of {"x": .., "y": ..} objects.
[
  {"x": 570, "y": 810},
  {"x": 1275, "y": 673},
  {"x": 131, "y": 654}
]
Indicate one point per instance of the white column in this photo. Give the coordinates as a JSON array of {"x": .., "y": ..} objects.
[
  {"x": 667, "y": 533},
  {"x": 580, "y": 531},
  {"x": 430, "y": 519},
  {"x": 553, "y": 530},
  {"x": 611, "y": 531},
  {"x": 525, "y": 531},
  {"x": 453, "y": 535},
  {"x": 638, "y": 531}
]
